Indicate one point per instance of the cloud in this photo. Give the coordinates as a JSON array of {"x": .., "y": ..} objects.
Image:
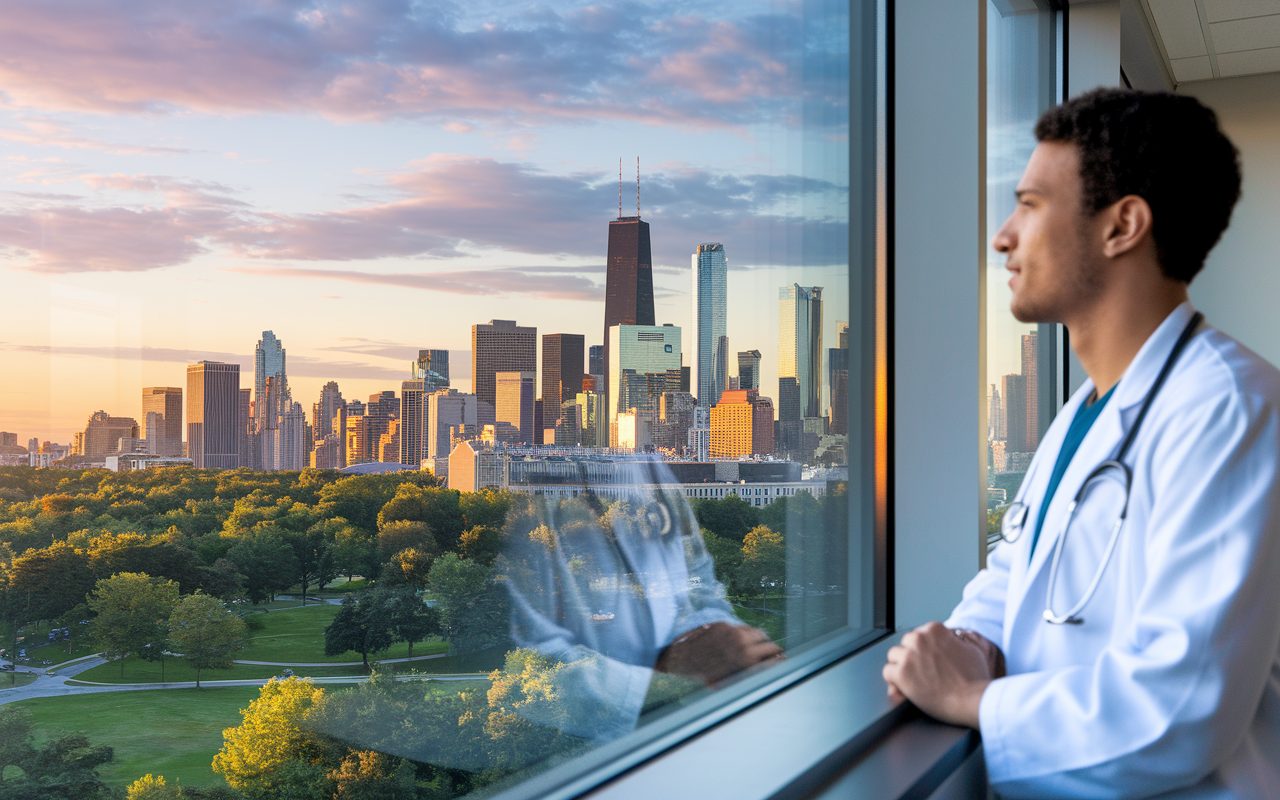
[
  {"x": 443, "y": 207},
  {"x": 50, "y": 134},
  {"x": 299, "y": 365},
  {"x": 491, "y": 282},
  {"x": 390, "y": 59}
]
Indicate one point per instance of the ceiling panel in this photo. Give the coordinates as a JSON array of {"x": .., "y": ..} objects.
[
  {"x": 1255, "y": 33},
  {"x": 1221, "y": 10},
  {"x": 1249, "y": 62},
  {"x": 1191, "y": 69},
  {"x": 1179, "y": 27}
]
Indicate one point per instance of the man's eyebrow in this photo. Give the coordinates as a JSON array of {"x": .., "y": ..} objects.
[{"x": 1018, "y": 193}]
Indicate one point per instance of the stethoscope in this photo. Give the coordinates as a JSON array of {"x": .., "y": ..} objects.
[{"x": 1014, "y": 522}]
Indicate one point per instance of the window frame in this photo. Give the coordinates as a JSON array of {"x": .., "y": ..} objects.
[{"x": 783, "y": 735}]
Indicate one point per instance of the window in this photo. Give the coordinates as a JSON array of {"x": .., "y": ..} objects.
[
  {"x": 1024, "y": 362},
  {"x": 342, "y": 344}
]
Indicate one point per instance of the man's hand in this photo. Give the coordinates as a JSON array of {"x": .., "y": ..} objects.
[
  {"x": 713, "y": 652},
  {"x": 944, "y": 672}
]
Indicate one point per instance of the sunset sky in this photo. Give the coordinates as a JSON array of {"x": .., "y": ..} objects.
[{"x": 366, "y": 180}]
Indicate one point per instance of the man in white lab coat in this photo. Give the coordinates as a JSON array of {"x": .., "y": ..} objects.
[{"x": 1167, "y": 680}]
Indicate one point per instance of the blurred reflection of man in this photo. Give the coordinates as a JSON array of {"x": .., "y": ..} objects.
[{"x": 619, "y": 593}]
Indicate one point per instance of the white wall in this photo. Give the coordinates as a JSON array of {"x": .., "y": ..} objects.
[{"x": 1239, "y": 289}]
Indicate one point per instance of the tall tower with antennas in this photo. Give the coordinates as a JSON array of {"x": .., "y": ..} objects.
[{"x": 628, "y": 296}]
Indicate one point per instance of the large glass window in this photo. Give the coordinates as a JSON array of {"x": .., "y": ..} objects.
[
  {"x": 416, "y": 400},
  {"x": 1024, "y": 372}
]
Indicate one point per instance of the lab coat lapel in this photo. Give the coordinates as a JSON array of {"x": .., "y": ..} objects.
[{"x": 1108, "y": 430}]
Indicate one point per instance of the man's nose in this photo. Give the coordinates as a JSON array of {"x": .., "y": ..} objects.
[{"x": 1004, "y": 240}]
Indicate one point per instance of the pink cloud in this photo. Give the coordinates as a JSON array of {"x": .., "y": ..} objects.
[
  {"x": 446, "y": 206},
  {"x": 530, "y": 282},
  {"x": 379, "y": 61}
]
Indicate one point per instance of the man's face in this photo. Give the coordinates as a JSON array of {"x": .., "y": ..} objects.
[{"x": 1047, "y": 239}]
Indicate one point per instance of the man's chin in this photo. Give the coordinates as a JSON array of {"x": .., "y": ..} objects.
[{"x": 1028, "y": 313}]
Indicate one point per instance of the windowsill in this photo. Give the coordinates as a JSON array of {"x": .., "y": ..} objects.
[{"x": 825, "y": 730}]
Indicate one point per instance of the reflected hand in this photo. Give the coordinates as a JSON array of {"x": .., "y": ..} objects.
[
  {"x": 716, "y": 651},
  {"x": 944, "y": 672}
]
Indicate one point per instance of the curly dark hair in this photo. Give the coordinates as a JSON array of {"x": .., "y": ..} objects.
[{"x": 1165, "y": 148}]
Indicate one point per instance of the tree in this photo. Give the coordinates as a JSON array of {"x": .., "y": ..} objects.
[
  {"x": 410, "y": 619},
  {"x": 764, "y": 559},
  {"x": 313, "y": 554},
  {"x": 473, "y": 614},
  {"x": 411, "y": 567},
  {"x": 727, "y": 555},
  {"x": 51, "y": 581},
  {"x": 267, "y": 563},
  {"x": 406, "y": 534},
  {"x": 481, "y": 544},
  {"x": 150, "y": 787},
  {"x": 132, "y": 612},
  {"x": 438, "y": 508},
  {"x": 369, "y": 775},
  {"x": 730, "y": 517},
  {"x": 354, "y": 550},
  {"x": 270, "y": 749},
  {"x": 360, "y": 626},
  {"x": 63, "y": 768},
  {"x": 206, "y": 633},
  {"x": 488, "y": 508}
]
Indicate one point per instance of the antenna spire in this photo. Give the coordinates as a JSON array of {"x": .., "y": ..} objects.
[
  {"x": 619, "y": 187},
  {"x": 637, "y": 187}
]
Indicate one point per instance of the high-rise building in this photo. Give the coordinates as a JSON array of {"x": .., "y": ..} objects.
[
  {"x": 1031, "y": 382},
  {"x": 594, "y": 420},
  {"x": 413, "y": 415},
  {"x": 244, "y": 427},
  {"x": 838, "y": 380},
  {"x": 213, "y": 415},
  {"x": 446, "y": 410},
  {"x": 628, "y": 294},
  {"x": 323, "y": 411},
  {"x": 389, "y": 444},
  {"x": 294, "y": 444},
  {"x": 709, "y": 342},
  {"x": 562, "y": 360},
  {"x": 800, "y": 343},
  {"x": 515, "y": 403},
  {"x": 500, "y": 346},
  {"x": 327, "y": 452},
  {"x": 268, "y": 362},
  {"x": 378, "y": 413},
  {"x": 1014, "y": 391},
  {"x": 996, "y": 430},
  {"x": 103, "y": 433},
  {"x": 595, "y": 360},
  {"x": 359, "y": 443},
  {"x": 166, "y": 402},
  {"x": 639, "y": 352},
  {"x": 432, "y": 368},
  {"x": 8, "y": 439},
  {"x": 741, "y": 425}
]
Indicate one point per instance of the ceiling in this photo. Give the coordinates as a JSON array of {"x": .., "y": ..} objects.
[{"x": 1205, "y": 39}]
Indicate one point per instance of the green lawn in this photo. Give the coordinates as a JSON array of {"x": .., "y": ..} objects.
[
  {"x": 771, "y": 621},
  {"x": 6, "y": 680},
  {"x": 172, "y": 733},
  {"x": 55, "y": 653},
  {"x": 296, "y": 635},
  {"x": 177, "y": 670}
]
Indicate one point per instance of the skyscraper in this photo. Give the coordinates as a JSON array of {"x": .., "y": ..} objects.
[
  {"x": 432, "y": 368},
  {"x": 561, "y": 374},
  {"x": 646, "y": 363},
  {"x": 709, "y": 343},
  {"x": 800, "y": 343},
  {"x": 447, "y": 409},
  {"x": 628, "y": 293},
  {"x": 268, "y": 361},
  {"x": 500, "y": 346},
  {"x": 213, "y": 414},
  {"x": 243, "y": 428},
  {"x": 381, "y": 409},
  {"x": 166, "y": 402},
  {"x": 323, "y": 411},
  {"x": 741, "y": 425},
  {"x": 749, "y": 369},
  {"x": 103, "y": 433},
  {"x": 595, "y": 360},
  {"x": 996, "y": 430},
  {"x": 412, "y": 429},
  {"x": 838, "y": 380},
  {"x": 1014, "y": 391},
  {"x": 1030, "y": 375},
  {"x": 514, "y": 406}
]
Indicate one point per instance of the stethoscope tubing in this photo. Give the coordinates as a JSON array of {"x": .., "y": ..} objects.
[{"x": 1072, "y": 617}]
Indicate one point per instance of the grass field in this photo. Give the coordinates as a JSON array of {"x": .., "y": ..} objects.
[
  {"x": 172, "y": 733},
  {"x": 771, "y": 622},
  {"x": 6, "y": 680},
  {"x": 177, "y": 670},
  {"x": 296, "y": 635}
]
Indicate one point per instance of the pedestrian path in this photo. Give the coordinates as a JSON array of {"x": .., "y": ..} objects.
[{"x": 340, "y": 663}]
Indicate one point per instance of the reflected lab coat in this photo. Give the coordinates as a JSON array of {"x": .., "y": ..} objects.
[{"x": 1171, "y": 686}]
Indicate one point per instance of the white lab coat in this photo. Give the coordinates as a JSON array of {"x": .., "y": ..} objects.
[{"x": 1172, "y": 683}]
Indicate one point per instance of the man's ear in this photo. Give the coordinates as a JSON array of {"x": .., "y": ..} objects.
[{"x": 1128, "y": 223}]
